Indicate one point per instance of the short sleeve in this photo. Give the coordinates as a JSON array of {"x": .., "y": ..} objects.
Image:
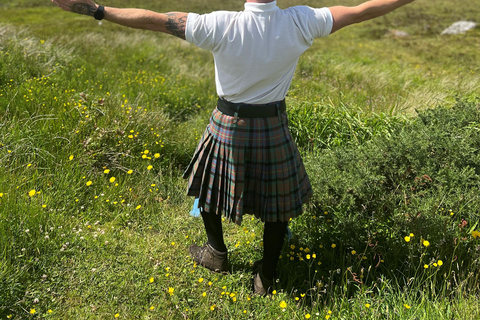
[
  {"x": 200, "y": 30},
  {"x": 324, "y": 23},
  {"x": 313, "y": 23}
]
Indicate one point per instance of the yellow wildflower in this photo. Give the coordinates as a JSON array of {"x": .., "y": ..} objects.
[
  {"x": 283, "y": 304},
  {"x": 89, "y": 183},
  {"x": 407, "y": 239},
  {"x": 31, "y": 193},
  {"x": 171, "y": 290},
  {"x": 112, "y": 179},
  {"x": 426, "y": 243},
  {"x": 475, "y": 234}
]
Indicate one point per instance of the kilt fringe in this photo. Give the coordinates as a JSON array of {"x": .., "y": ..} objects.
[{"x": 249, "y": 166}]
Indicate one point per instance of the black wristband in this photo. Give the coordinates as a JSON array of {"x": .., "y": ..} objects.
[{"x": 100, "y": 13}]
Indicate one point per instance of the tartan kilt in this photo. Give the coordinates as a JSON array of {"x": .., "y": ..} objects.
[{"x": 251, "y": 165}]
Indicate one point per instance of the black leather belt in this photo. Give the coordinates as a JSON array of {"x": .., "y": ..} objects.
[{"x": 251, "y": 110}]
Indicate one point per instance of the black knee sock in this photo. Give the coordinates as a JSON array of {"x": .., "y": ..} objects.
[
  {"x": 213, "y": 227},
  {"x": 273, "y": 238}
]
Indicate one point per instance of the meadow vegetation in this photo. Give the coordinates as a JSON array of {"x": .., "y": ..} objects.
[{"x": 98, "y": 122}]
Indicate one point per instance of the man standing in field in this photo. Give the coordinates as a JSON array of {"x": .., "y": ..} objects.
[{"x": 247, "y": 161}]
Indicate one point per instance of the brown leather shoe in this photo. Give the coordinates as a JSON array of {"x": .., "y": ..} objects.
[
  {"x": 209, "y": 257},
  {"x": 261, "y": 285}
]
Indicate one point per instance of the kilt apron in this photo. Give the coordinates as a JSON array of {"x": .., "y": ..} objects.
[{"x": 248, "y": 166}]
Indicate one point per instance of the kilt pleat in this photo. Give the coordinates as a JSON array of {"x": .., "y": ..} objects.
[{"x": 249, "y": 166}]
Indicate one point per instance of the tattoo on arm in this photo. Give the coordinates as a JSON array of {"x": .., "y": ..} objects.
[
  {"x": 176, "y": 24},
  {"x": 83, "y": 8}
]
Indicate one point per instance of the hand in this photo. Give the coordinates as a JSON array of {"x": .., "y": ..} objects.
[{"x": 86, "y": 7}]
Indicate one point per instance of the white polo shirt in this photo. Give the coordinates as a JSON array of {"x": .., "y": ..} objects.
[{"x": 256, "y": 50}]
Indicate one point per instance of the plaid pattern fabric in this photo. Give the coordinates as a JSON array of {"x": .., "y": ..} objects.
[{"x": 248, "y": 165}]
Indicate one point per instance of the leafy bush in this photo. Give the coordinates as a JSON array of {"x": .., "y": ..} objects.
[{"x": 422, "y": 181}]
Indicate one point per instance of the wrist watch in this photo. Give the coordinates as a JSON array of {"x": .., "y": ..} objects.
[{"x": 100, "y": 13}]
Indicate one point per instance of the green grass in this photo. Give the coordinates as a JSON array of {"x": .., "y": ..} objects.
[{"x": 82, "y": 102}]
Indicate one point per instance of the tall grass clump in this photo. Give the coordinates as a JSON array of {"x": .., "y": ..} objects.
[{"x": 316, "y": 126}]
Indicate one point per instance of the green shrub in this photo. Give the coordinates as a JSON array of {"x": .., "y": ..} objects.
[{"x": 422, "y": 179}]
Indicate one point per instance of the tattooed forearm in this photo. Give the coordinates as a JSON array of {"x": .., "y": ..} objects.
[
  {"x": 83, "y": 8},
  {"x": 176, "y": 24}
]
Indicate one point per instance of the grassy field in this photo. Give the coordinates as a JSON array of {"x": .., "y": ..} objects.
[{"x": 98, "y": 122}]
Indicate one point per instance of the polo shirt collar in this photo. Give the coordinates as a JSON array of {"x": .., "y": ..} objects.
[{"x": 260, "y": 7}]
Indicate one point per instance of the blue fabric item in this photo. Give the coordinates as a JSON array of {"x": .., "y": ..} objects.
[{"x": 195, "y": 210}]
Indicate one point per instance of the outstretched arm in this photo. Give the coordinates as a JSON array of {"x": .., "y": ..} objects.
[
  {"x": 344, "y": 16},
  {"x": 170, "y": 23}
]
